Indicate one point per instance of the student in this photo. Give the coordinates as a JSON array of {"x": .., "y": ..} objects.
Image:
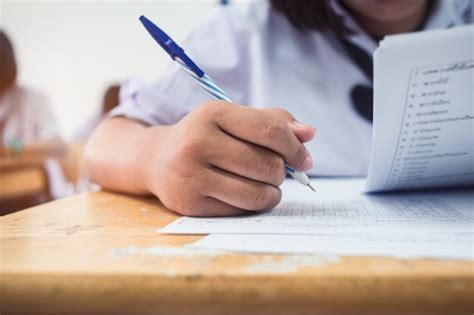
[
  {"x": 27, "y": 124},
  {"x": 25, "y": 115},
  {"x": 298, "y": 64}
]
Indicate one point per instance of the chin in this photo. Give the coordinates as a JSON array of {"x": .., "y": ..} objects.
[{"x": 386, "y": 10}]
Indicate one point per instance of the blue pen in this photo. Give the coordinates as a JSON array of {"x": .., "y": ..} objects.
[{"x": 177, "y": 54}]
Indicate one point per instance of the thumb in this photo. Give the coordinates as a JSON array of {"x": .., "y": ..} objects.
[{"x": 302, "y": 131}]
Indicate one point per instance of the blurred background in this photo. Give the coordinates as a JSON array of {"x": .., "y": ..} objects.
[
  {"x": 72, "y": 51},
  {"x": 71, "y": 57}
]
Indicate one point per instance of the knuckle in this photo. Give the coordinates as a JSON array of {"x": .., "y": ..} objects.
[
  {"x": 190, "y": 204},
  {"x": 277, "y": 198},
  {"x": 281, "y": 175},
  {"x": 192, "y": 148},
  {"x": 172, "y": 199},
  {"x": 274, "y": 168},
  {"x": 274, "y": 128},
  {"x": 180, "y": 205},
  {"x": 182, "y": 191},
  {"x": 299, "y": 156},
  {"x": 211, "y": 109},
  {"x": 265, "y": 197},
  {"x": 282, "y": 113},
  {"x": 183, "y": 209},
  {"x": 187, "y": 209},
  {"x": 207, "y": 106},
  {"x": 194, "y": 208},
  {"x": 193, "y": 180}
]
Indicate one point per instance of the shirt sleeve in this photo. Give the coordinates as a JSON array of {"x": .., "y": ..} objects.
[
  {"x": 43, "y": 121},
  {"x": 218, "y": 46}
]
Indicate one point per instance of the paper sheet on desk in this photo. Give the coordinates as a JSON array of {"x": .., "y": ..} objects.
[
  {"x": 423, "y": 111},
  {"x": 339, "y": 207},
  {"x": 441, "y": 245}
]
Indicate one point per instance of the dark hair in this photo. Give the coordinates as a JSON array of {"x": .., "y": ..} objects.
[
  {"x": 311, "y": 15},
  {"x": 7, "y": 62}
]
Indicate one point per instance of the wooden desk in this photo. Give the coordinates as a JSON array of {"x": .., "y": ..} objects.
[
  {"x": 24, "y": 179},
  {"x": 68, "y": 155},
  {"x": 32, "y": 154},
  {"x": 99, "y": 253}
]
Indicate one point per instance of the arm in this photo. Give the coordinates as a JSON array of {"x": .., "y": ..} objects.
[{"x": 117, "y": 154}]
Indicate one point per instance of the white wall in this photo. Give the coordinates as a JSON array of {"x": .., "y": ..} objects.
[{"x": 73, "y": 50}]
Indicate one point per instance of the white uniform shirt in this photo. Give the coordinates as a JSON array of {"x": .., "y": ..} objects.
[
  {"x": 261, "y": 60},
  {"x": 26, "y": 116}
]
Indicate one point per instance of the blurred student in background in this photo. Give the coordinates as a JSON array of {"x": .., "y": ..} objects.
[
  {"x": 25, "y": 115},
  {"x": 27, "y": 127}
]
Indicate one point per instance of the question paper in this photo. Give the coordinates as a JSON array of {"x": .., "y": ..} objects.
[
  {"x": 339, "y": 206},
  {"x": 423, "y": 132}
]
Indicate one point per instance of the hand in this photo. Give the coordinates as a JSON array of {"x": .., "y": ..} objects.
[{"x": 223, "y": 159}]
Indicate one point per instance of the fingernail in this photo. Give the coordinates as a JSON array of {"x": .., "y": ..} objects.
[
  {"x": 307, "y": 164},
  {"x": 297, "y": 124}
]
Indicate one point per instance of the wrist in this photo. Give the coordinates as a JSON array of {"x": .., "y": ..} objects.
[{"x": 152, "y": 145}]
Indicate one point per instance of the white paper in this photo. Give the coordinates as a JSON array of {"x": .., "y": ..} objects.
[
  {"x": 441, "y": 245},
  {"x": 423, "y": 111},
  {"x": 339, "y": 207}
]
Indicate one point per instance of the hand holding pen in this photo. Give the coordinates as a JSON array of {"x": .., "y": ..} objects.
[
  {"x": 224, "y": 159},
  {"x": 177, "y": 54}
]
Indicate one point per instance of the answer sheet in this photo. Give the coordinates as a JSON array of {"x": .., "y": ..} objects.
[
  {"x": 423, "y": 132},
  {"x": 418, "y": 245},
  {"x": 338, "y": 206}
]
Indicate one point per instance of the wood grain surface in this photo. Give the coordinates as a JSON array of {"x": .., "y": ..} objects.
[{"x": 99, "y": 253}]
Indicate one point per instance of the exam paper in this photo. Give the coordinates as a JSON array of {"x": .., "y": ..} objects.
[
  {"x": 339, "y": 207},
  {"x": 417, "y": 245},
  {"x": 423, "y": 132}
]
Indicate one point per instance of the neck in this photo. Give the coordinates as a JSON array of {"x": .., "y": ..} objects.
[{"x": 379, "y": 29}]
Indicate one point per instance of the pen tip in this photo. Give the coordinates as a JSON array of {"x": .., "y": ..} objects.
[{"x": 311, "y": 187}]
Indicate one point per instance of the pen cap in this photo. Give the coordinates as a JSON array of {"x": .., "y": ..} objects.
[{"x": 169, "y": 45}]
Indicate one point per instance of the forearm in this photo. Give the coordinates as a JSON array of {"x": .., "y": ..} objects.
[{"x": 117, "y": 155}]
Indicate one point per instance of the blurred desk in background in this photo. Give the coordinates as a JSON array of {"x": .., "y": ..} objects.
[
  {"x": 31, "y": 154},
  {"x": 99, "y": 253},
  {"x": 24, "y": 176}
]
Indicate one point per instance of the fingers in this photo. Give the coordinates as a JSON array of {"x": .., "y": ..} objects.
[
  {"x": 240, "y": 192},
  {"x": 248, "y": 160},
  {"x": 303, "y": 132},
  {"x": 269, "y": 128},
  {"x": 211, "y": 207},
  {"x": 227, "y": 159}
]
